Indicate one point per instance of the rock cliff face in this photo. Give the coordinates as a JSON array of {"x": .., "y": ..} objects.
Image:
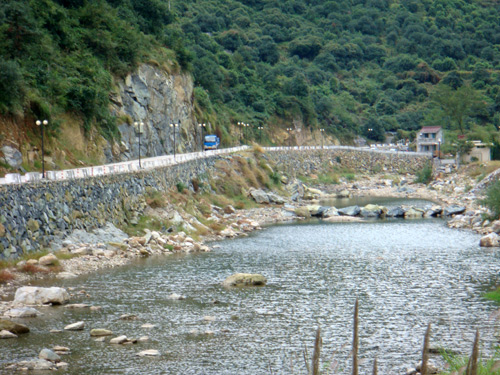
[{"x": 156, "y": 98}]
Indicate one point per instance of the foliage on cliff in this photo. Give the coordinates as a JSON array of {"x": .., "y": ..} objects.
[{"x": 346, "y": 65}]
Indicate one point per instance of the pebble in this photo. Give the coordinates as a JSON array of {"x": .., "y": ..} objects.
[
  {"x": 78, "y": 326},
  {"x": 7, "y": 335},
  {"x": 148, "y": 326},
  {"x": 149, "y": 353},
  {"x": 118, "y": 340}
]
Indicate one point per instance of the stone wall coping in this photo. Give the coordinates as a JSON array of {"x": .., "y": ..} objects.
[{"x": 167, "y": 160}]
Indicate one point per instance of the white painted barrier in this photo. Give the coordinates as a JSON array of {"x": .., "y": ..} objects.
[{"x": 165, "y": 160}]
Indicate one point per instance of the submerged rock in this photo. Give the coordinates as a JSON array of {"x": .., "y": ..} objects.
[
  {"x": 49, "y": 355},
  {"x": 12, "y": 327},
  {"x": 245, "y": 279},
  {"x": 96, "y": 332},
  {"x": 24, "y": 312}
]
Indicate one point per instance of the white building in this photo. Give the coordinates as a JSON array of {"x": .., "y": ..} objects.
[{"x": 430, "y": 139}]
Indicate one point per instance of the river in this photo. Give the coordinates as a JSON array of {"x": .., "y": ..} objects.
[{"x": 405, "y": 274}]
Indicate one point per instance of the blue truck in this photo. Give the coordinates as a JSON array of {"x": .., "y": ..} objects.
[{"x": 211, "y": 142}]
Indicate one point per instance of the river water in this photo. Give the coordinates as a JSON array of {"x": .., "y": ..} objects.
[{"x": 405, "y": 274}]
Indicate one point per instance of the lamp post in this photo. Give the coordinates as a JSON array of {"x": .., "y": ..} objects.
[
  {"x": 240, "y": 124},
  {"x": 260, "y": 133},
  {"x": 246, "y": 131},
  {"x": 139, "y": 128},
  {"x": 201, "y": 126},
  {"x": 289, "y": 137},
  {"x": 322, "y": 131},
  {"x": 174, "y": 126},
  {"x": 42, "y": 124}
]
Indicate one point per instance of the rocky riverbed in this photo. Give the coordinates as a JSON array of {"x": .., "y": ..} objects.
[{"x": 110, "y": 247}]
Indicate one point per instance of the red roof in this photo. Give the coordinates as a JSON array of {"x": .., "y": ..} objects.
[{"x": 430, "y": 129}]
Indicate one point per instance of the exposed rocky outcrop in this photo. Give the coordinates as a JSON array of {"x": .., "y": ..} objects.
[{"x": 157, "y": 99}]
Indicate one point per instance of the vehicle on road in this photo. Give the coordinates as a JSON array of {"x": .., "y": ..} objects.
[{"x": 211, "y": 142}]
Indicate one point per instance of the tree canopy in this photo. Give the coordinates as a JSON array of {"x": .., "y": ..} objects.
[{"x": 346, "y": 66}]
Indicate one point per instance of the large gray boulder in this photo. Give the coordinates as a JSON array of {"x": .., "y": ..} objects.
[
  {"x": 275, "y": 198},
  {"x": 395, "y": 212},
  {"x": 414, "y": 213},
  {"x": 12, "y": 157},
  {"x": 490, "y": 240},
  {"x": 433, "y": 211},
  {"x": 329, "y": 212},
  {"x": 373, "y": 210},
  {"x": 453, "y": 210},
  {"x": 32, "y": 295},
  {"x": 259, "y": 196},
  {"x": 245, "y": 279},
  {"x": 350, "y": 211}
]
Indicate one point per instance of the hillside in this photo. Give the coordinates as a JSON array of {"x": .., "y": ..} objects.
[{"x": 350, "y": 67}]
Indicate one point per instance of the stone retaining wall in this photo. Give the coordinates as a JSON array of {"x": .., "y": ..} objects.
[
  {"x": 359, "y": 161},
  {"x": 31, "y": 215}
]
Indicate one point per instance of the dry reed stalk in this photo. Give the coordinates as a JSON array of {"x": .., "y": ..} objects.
[
  {"x": 355, "y": 341},
  {"x": 316, "y": 353},
  {"x": 375, "y": 367},
  {"x": 472, "y": 365},
  {"x": 425, "y": 350},
  {"x": 306, "y": 360}
]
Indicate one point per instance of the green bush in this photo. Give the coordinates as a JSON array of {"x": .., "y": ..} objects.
[
  {"x": 492, "y": 200},
  {"x": 424, "y": 176}
]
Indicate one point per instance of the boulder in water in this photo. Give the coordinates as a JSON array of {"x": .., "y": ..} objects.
[{"x": 245, "y": 279}]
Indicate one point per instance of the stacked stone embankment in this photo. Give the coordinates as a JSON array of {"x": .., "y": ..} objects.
[
  {"x": 359, "y": 161},
  {"x": 32, "y": 215}
]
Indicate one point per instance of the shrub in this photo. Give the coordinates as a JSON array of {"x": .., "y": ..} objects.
[
  {"x": 5, "y": 276},
  {"x": 180, "y": 187},
  {"x": 492, "y": 200},
  {"x": 424, "y": 176},
  {"x": 155, "y": 199}
]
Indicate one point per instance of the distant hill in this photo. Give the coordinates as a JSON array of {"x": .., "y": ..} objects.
[{"x": 348, "y": 66}]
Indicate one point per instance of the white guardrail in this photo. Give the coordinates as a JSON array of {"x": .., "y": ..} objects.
[{"x": 162, "y": 161}]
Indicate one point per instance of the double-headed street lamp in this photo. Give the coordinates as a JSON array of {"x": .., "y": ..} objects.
[
  {"x": 202, "y": 126},
  {"x": 139, "y": 128},
  {"x": 260, "y": 133},
  {"x": 42, "y": 124},
  {"x": 289, "y": 137},
  {"x": 322, "y": 131},
  {"x": 174, "y": 126}
]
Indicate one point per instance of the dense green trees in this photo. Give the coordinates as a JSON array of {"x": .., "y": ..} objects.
[{"x": 344, "y": 65}]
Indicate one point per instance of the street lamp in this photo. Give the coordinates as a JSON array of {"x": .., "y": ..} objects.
[
  {"x": 260, "y": 133},
  {"x": 201, "y": 126},
  {"x": 173, "y": 126},
  {"x": 42, "y": 124},
  {"x": 240, "y": 124},
  {"x": 289, "y": 137},
  {"x": 322, "y": 137},
  {"x": 246, "y": 131},
  {"x": 139, "y": 128}
]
